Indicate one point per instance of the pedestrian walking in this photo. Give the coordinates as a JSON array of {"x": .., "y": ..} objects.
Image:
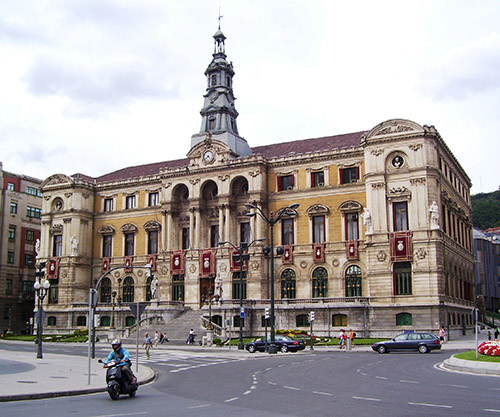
[
  {"x": 496, "y": 332},
  {"x": 442, "y": 334},
  {"x": 148, "y": 343},
  {"x": 156, "y": 338},
  {"x": 352, "y": 335}
]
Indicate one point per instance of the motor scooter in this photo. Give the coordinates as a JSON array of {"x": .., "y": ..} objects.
[{"x": 118, "y": 382}]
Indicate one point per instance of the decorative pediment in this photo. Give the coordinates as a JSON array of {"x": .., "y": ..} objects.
[
  {"x": 152, "y": 225},
  {"x": 129, "y": 228},
  {"x": 57, "y": 179},
  {"x": 351, "y": 205},
  {"x": 394, "y": 127},
  {"x": 208, "y": 151},
  {"x": 399, "y": 193},
  {"x": 317, "y": 209},
  {"x": 106, "y": 230},
  {"x": 56, "y": 229}
]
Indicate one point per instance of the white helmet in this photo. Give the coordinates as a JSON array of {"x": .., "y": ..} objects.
[{"x": 116, "y": 344}]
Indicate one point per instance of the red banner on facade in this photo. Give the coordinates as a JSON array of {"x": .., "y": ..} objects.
[
  {"x": 401, "y": 246},
  {"x": 105, "y": 264},
  {"x": 152, "y": 262},
  {"x": 52, "y": 267},
  {"x": 287, "y": 255},
  {"x": 177, "y": 263},
  {"x": 128, "y": 264},
  {"x": 352, "y": 249},
  {"x": 319, "y": 252},
  {"x": 207, "y": 262}
]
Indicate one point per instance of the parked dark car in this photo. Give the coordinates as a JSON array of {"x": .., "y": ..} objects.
[
  {"x": 419, "y": 341},
  {"x": 283, "y": 344}
]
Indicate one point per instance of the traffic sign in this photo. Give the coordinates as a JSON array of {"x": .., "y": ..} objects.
[{"x": 133, "y": 308}]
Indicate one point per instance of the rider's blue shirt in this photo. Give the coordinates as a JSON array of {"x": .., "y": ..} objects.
[{"x": 121, "y": 355}]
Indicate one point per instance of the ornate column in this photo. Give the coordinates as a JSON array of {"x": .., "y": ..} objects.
[
  {"x": 227, "y": 229},
  {"x": 222, "y": 226},
  {"x": 191, "y": 226},
  {"x": 198, "y": 228},
  {"x": 169, "y": 231}
]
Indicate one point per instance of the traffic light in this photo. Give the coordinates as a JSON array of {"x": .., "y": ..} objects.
[
  {"x": 267, "y": 313},
  {"x": 311, "y": 316}
]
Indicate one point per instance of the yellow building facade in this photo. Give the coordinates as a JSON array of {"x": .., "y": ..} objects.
[{"x": 381, "y": 240}]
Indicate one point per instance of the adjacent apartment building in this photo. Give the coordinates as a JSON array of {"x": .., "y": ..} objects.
[
  {"x": 20, "y": 218},
  {"x": 381, "y": 240}
]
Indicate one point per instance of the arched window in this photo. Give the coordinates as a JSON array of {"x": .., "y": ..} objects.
[
  {"x": 148, "y": 289},
  {"x": 301, "y": 320},
  {"x": 288, "y": 283},
  {"x": 128, "y": 290},
  {"x": 339, "y": 320},
  {"x": 353, "y": 281},
  {"x": 403, "y": 319},
  {"x": 320, "y": 282},
  {"x": 106, "y": 290}
]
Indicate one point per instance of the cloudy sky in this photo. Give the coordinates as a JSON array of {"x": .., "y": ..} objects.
[{"x": 94, "y": 86}]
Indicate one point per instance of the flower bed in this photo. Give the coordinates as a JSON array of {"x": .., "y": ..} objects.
[{"x": 490, "y": 348}]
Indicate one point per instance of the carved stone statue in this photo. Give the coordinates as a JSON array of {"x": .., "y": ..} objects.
[
  {"x": 218, "y": 286},
  {"x": 74, "y": 245},
  {"x": 367, "y": 216},
  {"x": 434, "y": 210},
  {"x": 154, "y": 287},
  {"x": 37, "y": 248}
]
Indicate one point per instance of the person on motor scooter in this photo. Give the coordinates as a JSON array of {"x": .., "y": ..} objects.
[{"x": 121, "y": 355}]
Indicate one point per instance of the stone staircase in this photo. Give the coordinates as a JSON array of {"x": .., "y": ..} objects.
[{"x": 176, "y": 329}]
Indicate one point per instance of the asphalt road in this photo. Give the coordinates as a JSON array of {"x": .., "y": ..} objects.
[{"x": 305, "y": 383}]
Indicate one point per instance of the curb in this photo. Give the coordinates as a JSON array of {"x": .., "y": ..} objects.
[
  {"x": 21, "y": 397},
  {"x": 473, "y": 367}
]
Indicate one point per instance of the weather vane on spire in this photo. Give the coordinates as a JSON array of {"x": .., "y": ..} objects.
[{"x": 220, "y": 17}]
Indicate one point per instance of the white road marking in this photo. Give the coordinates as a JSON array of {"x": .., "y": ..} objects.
[
  {"x": 431, "y": 405},
  {"x": 409, "y": 382},
  {"x": 247, "y": 392},
  {"x": 452, "y": 385},
  {"x": 491, "y": 410},
  {"x": 231, "y": 399},
  {"x": 121, "y": 414},
  {"x": 272, "y": 383},
  {"x": 294, "y": 388},
  {"x": 367, "y": 398},
  {"x": 322, "y": 393},
  {"x": 200, "y": 406},
  {"x": 381, "y": 377}
]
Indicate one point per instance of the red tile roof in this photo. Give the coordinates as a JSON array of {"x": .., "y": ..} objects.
[{"x": 276, "y": 150}]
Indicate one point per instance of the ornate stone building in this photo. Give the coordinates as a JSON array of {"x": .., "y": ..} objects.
[{"x": 381, "y": 241}]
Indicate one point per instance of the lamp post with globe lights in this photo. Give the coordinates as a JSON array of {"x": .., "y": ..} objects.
[
  {"x": 271, "y": 221},
  {"x": 242, "y": 256},
  {"x": 41, "y": 290}
]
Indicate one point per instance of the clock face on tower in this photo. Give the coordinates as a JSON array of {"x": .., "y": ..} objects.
[{"x": 208, "y": 157}]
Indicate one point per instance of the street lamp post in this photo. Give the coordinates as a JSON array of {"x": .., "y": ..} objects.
[
  {"x": 41, "y": 292},
  {"x": 113, "y": 303},
  {"x": 271, "y": 221},
  {"x": 241, "y": 257}
]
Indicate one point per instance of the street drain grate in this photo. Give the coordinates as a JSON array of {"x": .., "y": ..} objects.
[{"x": 27, "y": 382}]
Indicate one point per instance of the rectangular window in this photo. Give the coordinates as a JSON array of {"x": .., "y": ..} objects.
[
  {"x": 34, "y": 212},
  {"x": 185, "y": 238},
  {"x": 152, "y": 242},
  {"x": 28, "y": 259},
  {"x": 11, "y": 186},
  {"x": 178, "y": 288},
  {"x": 245, "y": 232},
  {"x": 13, "y": 208},
  {"x": 318, "y": 229},
  {"x": 153, "y": 199},
  {"x": 239, "y": 286},
  {"x": 30, "y": 236},
  {"x": 214, "y": 235},
  {"x": 27, "y": 286},
  {"x": 8, "y": 286},
  {"x": 349, "y": 175},
  {"x": 351, "y": 220},
  {"x": 287, "y": 232},
  {"x": 130, "y": 202},
  {"x": 53, "y": 294},
  {"x": 402, "y": 278},
  {"x": 31, "y": 190},
  {"x": 400, "y": 216},
  {"x": 129, "y": 244},
  {"x": 10, "y": 257},
  {"x": 317, "y": 179},
  {"x": 57, "y": 245},
  {"x": 285, "y": 182},
  {"x": 108, "y": 204},
  {"x": 107, "y": 245},
  {"x": 12, "y": 233}
]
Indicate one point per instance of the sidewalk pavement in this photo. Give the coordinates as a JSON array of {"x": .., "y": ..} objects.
[{"x": 27, "y": 377}]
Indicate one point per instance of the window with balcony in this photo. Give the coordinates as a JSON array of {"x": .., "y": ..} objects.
[
  {"x": 351, "y": 226},
  {"x": 402, "y": 278},
  {"x": 57, "y": 245},
  {"x": 245, "y": 232},
  {"x": 107, "y": 245},
  {"x": 318, "y": 224},
  {"x": 129, "y": 244},
  {"x": 152, "y": 242},
  {"x": 400, "y": 213}
]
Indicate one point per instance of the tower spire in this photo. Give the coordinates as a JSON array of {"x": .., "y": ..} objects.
[{"x": 219, "y": 112}]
